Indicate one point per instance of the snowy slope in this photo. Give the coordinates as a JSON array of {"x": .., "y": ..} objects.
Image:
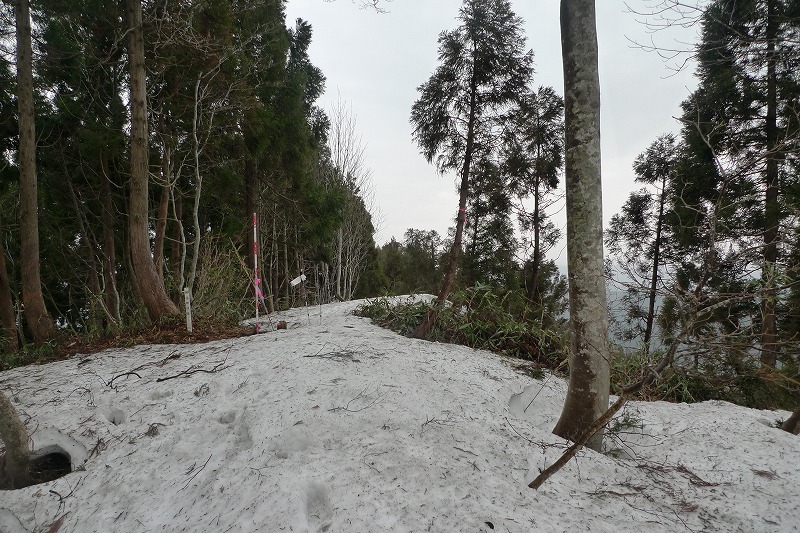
[{"x": 338, "y": 425}]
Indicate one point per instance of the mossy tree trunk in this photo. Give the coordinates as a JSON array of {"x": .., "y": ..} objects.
[
  {"x": 589, "y": 381},
  {"x": 15, "y": 438}
]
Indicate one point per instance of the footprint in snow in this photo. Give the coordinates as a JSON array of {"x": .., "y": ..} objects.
[{"x": 319, "y": 510}]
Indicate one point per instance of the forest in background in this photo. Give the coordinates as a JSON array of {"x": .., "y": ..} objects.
[
  {"x": 706, "y": 252},
  {"x": 230, "y": 129}
]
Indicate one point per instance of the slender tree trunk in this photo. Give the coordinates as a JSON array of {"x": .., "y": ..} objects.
[
  {"x": 15, "y": 438},
  {"x": 161, "y": 217},
  {"x": 286, "y": 274},
  {"x": 250, "y": 205},
  {"x": 198, "y": 189},
  {"x": 274, "y": 259},
  {"x": 651, "y": 304},
  {"x": 589, "y": 381},
  {"x": 178, "y": 243},
  {"x": 109, "y": 246},
  {"x": 339, "y": 265},
  {"x": 150, "y": 286},
  {"x": 36, "y": 315},
  {"x": 533, "y": 280},
  {"x": 461, "y": 218},
  {"x": 9, "y": 342},
  {"x": 772, "y": 215},
  {"x": 96, "y": 312}
]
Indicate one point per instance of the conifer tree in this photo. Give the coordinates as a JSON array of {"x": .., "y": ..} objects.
[
  {"x": 636, "y": 235},
  {"x": 483, "y": 68},
  {"x": 36, "y": 314}
]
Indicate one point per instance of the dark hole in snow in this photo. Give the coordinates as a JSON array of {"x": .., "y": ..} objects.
[
  {"x": 491, "y": 526},
  {"x": 116, "y": 416},
  {"x": 45, "y": 465}
]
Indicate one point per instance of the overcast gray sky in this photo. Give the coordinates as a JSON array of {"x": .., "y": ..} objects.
[{"x": 375, "y": 62}]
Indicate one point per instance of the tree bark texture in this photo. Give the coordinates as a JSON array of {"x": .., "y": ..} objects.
[
  {"x": 772, "y": 208},
  {"x": 792, "y": 424},
  {"x": 589, "y": 381},
  {"x": 151, "y": 288},
  {"x": 9, "y": 342},
  {"x": 36, "y": 315},
  {"x": 15, "y": 439},
  {"x": 533, "y": 279},
  {"x": 250, "y": 206},
  {"x": 109, "y": 246},
  {"x": 161, "y": 231}
]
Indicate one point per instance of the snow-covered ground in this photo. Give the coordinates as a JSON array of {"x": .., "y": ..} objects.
[{"x": 335, "y": 424}]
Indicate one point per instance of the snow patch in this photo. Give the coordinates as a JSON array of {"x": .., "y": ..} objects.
[
  {"x": 295, "y": 435},
  {"x": 292, "y": 440},
  {"x": 115, "y": 415},
  {"x": 9, "y": 523}
]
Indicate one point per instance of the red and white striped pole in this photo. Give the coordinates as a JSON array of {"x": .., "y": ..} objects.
[{"x": 255, "y": 265}]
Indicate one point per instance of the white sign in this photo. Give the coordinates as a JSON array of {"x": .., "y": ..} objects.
[{"x": 298, "y": 280}]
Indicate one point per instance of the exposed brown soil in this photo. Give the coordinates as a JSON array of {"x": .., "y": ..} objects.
[{"x": 171, "y": 333}]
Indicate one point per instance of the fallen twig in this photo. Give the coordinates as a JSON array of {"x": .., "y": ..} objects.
[
  {"x": 196, "y": 473},
  {"x": 131, "y": 373},
  {"x": 192, "y": 370},
  {"x": 605, "y": 418},
  {"x": 360, "y": 394}
]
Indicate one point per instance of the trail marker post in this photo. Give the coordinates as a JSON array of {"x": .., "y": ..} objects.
[{"x": 187, "y": 298}]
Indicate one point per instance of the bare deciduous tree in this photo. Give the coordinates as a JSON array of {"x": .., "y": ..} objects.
[{"x": 352, "y": 242}]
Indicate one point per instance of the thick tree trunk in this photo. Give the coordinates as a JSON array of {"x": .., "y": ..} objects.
[
  {"x": 15, "y": 438},
  {"x": 589, "y": 382},
  {"x": 9, "y": 342},
  {"x": 36, "y": 315},
  {"x": 150, "y": 286},
  {"x": 772, "y": 214}
]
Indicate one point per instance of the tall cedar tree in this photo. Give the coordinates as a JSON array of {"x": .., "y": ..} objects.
[
  {"x": 483, "y": 69},
  {"x": 490, "y": 243},
  {"x": 149, "y": 284},
  {"x": 589, "y": 377},
  {"x": 36, "y": 315},
  {"x": 534, "y": 147},
  {"x": 80, "y": 65},
  {"x": 743, "y": 119},
  {"x": 636, "y": 235}
]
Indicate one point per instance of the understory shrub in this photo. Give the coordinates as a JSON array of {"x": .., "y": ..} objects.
[{"x": 478, "y": 318}]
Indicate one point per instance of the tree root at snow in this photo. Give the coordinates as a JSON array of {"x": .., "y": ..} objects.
[
  {"x": 792, "y": 424},
  {"x": 650, "y": 376}
]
